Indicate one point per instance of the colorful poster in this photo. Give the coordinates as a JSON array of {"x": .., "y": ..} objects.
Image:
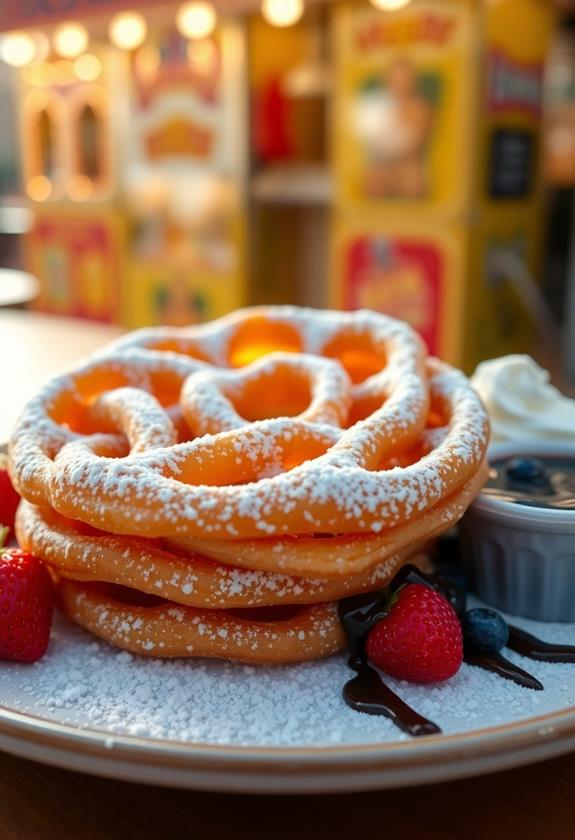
[
  {"x": 399, "y": 276},
  {"x": 517, "y": 39},
  {"x": 77, "y": 259},
  {"x": 184, "y": 179},
  {"x": 185, "y": 108},
  {"x": 199, "y": 278},
  {"x": 411, "y": 272},
  {"x": 402, "y": 135}
]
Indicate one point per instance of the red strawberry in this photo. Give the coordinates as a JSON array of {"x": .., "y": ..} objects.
[
  {"x": 26, "y": 598},
  {"x": 421, "y": 639},
  {"x": 9, "y": 498}
]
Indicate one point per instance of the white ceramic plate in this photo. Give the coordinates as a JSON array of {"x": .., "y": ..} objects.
[{"x": 216, "y": 726}]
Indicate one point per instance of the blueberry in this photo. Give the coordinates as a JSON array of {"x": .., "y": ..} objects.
[
  {"x": 526, "y": 470},
  {"x": 485, "y": 630}
]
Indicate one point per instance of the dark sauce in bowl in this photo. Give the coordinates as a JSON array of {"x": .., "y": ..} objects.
[{"x": 546, "y": 481}]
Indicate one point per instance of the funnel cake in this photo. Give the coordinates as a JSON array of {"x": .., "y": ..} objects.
[{"x": 183, "y": 480}]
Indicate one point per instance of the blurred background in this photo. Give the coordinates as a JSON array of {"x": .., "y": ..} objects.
[{"x": 169, "y": 162}]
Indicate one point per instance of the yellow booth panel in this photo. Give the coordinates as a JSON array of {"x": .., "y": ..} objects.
[
  {"x": 505, "y": 258},
  {"x": 78, "y": 258},
  {"x": 403, "y": 104},
  {"x": 196, "y": 279}
]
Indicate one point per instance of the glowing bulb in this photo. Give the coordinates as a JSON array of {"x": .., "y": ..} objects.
[
  {"x": 80, "y": 187},
  {"x": 390, "y": 5},
  {"x": 70, "y": 39},
  {"x": 87, "y": 67},
  {"x": 17, "y": 49},
  {"x": 282, "y": 12},
  {"x": 39, "y": 187},
  {"x": 196, "y": 19},
  {"x": 128, "y": 30}
]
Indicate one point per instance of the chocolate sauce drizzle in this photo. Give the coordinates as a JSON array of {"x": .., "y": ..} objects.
[
  {"x": 527, "y": 645},
  {"x": 368, "y": 693},
  {"x": 498, "y": 664}
]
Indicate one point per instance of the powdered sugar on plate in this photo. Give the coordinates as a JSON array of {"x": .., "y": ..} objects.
[{"x": 86, "y": 683}]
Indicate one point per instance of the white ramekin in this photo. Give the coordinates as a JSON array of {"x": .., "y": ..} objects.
[{"x": 521, "y": 558}]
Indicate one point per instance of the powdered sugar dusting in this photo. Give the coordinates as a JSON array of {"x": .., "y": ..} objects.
[
  {"x": 89, "y": 684},
  {"x": 160, "y": 490}
]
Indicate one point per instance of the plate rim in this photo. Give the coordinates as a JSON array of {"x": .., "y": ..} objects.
[{"x": 413, "y": 753}]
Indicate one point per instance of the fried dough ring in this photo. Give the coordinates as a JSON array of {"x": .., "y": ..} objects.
[
  {"x": 338, "y": 556},
  {"x": 170, "y": 630},
  {"x": 278, "y": 456},
  {"x": 298, "y": 475},
  {"x": 190, "y": 580}
]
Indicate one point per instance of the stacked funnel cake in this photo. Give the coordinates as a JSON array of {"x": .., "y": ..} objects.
[{"x": 213, "y": 491}]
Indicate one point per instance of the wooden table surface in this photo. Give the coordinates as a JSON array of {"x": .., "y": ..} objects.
[
  {"x": 39, "y": 802},
  {"x": 32, "y": 348}
]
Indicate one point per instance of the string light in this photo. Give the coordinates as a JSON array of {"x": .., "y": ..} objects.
[
  {"x": 17, "y": 49},
  {"x": 282, "y": 12},
  {"x": 80, "y": 187},
  {"x": 128, "y": 30},
  {"x": 196, "y": 19},
  {"x": 39, "y": 187},
  {"x": 87, "y": 67},
  {"x": 70, "y": 39},
  {"x": 390, "y": 5}
]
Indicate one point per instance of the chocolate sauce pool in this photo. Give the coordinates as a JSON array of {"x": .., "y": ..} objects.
[
  {"x": 545, "y": 481},
  {"x": 367, "y": 691}
]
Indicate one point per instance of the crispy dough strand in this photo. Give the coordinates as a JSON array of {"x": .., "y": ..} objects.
[
  {"x": 181, "y": 481},
  {"x": 299, "y": 475}
]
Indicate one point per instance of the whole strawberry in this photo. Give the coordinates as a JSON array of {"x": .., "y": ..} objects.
[
  {"x": 420, "y": 640},
  {"x": 26, "y": 600},
  {"x": 9, "y": 498}
]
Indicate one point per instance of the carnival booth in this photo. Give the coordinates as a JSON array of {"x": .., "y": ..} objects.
[
  {"x": 378, "y": 154},
  {"x": 133, "y": 161},
  {"x": 436, "y": 145}
]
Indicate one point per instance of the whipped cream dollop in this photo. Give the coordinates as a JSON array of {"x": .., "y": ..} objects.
[{"x": 521, "y": 402}]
